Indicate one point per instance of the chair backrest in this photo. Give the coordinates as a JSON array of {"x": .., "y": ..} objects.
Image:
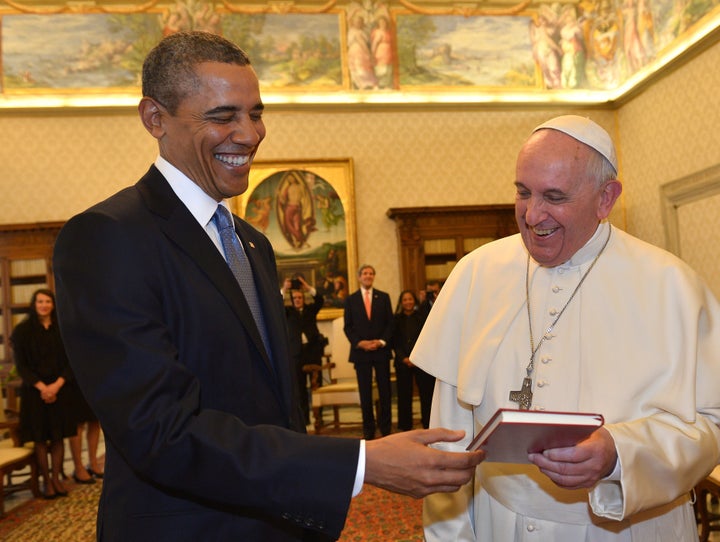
[{"x": 341, "y": 352}]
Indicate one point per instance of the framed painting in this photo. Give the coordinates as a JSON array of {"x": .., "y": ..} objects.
[{"x": 306, "y": 208}]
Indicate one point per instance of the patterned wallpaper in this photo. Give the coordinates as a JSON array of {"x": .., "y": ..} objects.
[
  {"x": 54, "y": 164},
  {"x": 668, "y": 132}
]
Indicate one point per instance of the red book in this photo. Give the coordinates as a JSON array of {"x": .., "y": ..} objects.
[{"x": 510, "y": 435}]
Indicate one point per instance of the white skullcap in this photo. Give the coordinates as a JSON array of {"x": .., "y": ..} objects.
[{"x": 585, "y": 131}]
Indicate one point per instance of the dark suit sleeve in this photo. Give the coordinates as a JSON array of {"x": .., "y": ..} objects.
[
  {"x": 172, "y": 377},
  {"x": 388, "y": 318}
]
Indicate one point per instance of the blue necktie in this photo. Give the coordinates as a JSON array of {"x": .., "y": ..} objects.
[{"x": 240, "y": 266}]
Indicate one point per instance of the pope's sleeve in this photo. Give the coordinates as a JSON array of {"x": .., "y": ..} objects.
[{"x": 666, "y": 453}]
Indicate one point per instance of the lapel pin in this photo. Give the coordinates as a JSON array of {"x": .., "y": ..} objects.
[{"x": 252, "y": 245}]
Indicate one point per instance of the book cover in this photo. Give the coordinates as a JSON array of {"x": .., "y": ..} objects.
[{"x": 510, "y": 435}]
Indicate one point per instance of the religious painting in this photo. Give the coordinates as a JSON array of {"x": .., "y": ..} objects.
[{"x": 307, "y": 211}]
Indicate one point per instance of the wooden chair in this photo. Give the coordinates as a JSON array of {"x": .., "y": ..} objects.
[
  {"x": 708, "y": 490},
  {"x": 15, "y": 457},
  {"x": 334, "y": 383}
]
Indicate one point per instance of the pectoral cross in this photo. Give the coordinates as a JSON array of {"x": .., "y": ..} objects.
[{"x": 523, "y": 396}]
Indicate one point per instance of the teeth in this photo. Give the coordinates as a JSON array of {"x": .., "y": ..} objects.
[
  {"x": 543, "y": 232},
  {"x": 233, "y": 160}
]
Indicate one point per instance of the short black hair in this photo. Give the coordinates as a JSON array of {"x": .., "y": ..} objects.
[{"x": 168, "y": 73}]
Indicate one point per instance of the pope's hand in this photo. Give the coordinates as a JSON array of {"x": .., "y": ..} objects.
[{"x": 582, "y": 465}]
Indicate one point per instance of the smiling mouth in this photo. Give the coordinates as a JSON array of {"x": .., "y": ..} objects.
[
  {"x": 543, "y": 232},
  {"x": 233, "y": 159}
]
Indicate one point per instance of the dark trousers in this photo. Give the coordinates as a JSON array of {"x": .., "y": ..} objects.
[
  {"x": 364, "y": 372},
  {"x": 425, "y": 383}
]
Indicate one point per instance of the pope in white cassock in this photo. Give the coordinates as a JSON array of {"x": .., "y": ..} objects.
[{"x": 597, "y": 321}]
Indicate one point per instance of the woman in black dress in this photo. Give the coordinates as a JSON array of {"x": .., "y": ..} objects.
[
  {"x": 408, "y": 323},
  {"x": 45, "y": 412}
]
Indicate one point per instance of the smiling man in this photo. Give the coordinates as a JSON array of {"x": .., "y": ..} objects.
[
  {"x": 573, "y": 314},
  {"x": 175, "y": 327}
]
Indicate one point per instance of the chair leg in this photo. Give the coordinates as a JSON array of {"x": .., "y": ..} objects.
[
  {"x": 336, "y": 417},
  {"x": 2, "y": 495},
  {"x": 702, "y": 514},
  {"x": 318, "y": 419}
]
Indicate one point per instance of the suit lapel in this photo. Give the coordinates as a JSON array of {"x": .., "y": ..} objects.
[{"x": 183, "y": 230}]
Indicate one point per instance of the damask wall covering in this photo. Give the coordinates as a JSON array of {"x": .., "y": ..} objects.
[{"x": 55, "y": 163}]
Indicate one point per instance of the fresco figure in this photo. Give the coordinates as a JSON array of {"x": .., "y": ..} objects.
[
  {"x": 573, "y": 49},
  {"x": 546, "y": 52},
  {"x": 382, "y": 50},
  {"x": 359, "y": 56}
]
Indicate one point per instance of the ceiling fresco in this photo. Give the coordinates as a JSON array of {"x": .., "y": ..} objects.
[{"x": 89, "y": 53}]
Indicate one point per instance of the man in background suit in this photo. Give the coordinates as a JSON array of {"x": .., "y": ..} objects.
[
  {"x": 306, "y": 342},
  {"x": 204, "y": 438},
  {"x": 369, "y": 328}
]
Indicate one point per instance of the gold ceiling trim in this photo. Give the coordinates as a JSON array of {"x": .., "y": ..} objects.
[
  {"x": 81, "y": 7},
  {"x": 281, "y": 8},
  {"x": 464, "y": 10}
]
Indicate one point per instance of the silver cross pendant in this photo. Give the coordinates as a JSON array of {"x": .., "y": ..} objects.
[{"x": 523, "y": 396}]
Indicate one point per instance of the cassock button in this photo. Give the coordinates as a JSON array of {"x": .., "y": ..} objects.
[
  {"x": 531, "y": 527},
  {"x": 545, "y": 359},
  {"x": 553, "y": 312},
  {"x": 556, "y": 289},
  {"x": 542, "y": 383}
]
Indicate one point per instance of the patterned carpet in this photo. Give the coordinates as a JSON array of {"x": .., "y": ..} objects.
[
  {"x": 375, "y": 515},
  {"x": 65, "y": 519}
]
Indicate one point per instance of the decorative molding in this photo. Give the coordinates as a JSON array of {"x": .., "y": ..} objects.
[
  {"x": 694, "y": 187},
  {"x": 466, "y": 10},
  {"x": 279, "y": 7},
  {"x": 87, "y": 6}
]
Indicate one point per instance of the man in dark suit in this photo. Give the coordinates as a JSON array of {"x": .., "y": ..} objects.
[
  {"x": 193, "y": 390},
  {"x": 306, "y": 342},
  {"x": 369, "y": 328}
]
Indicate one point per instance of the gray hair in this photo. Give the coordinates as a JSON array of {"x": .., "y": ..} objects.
[
  {"x": 599, "y": 169},
  {"x": 366, "y": 266}
]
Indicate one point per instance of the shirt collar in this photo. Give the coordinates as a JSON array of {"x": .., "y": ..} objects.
[
  {"x": 591, "y": 248},
  {"x": 200, "y": 205}
]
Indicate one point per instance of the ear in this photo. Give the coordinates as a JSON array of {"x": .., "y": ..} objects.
[
  {"x": 151, "y": 115},
  {"x": 608, "y": 196}
]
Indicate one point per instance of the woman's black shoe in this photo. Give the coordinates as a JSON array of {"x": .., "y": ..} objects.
[
  {"x": 95, "y": 474},
  {"x": 90, "y": 480}
]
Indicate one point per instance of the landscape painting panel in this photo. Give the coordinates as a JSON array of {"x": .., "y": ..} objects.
[
  {"x": 290, "y": 50},
  {"x": 457, "y": 51},
  {"x": 71, "y": 51}
]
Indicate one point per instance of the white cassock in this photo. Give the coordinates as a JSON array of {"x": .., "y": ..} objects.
[{"x": 639, "y": 343}]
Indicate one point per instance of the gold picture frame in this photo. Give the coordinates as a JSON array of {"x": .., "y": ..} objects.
[{"x": 306, "y": 208}]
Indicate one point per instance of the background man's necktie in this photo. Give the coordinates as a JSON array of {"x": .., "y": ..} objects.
[
  {"x": 368, "y": 303},
  {"x": 240, "y": 266}
]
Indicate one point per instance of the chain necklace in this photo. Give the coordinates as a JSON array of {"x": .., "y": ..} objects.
[{"x": 524, "y": 396}]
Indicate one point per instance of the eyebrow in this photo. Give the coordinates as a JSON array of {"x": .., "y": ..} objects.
[{"x": 233, "y": 109}]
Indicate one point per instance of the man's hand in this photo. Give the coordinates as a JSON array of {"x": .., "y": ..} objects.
[
  {"x": 369, "y": 345},
  {"x": 580, "y": 466},
  {"x": 404, "y": 463}
]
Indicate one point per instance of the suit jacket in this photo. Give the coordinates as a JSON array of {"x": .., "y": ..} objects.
[
  {"x": 305, "y": 322},
  {"x": 358, "y": 327},
  {"x": 203, "y": 435}
]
